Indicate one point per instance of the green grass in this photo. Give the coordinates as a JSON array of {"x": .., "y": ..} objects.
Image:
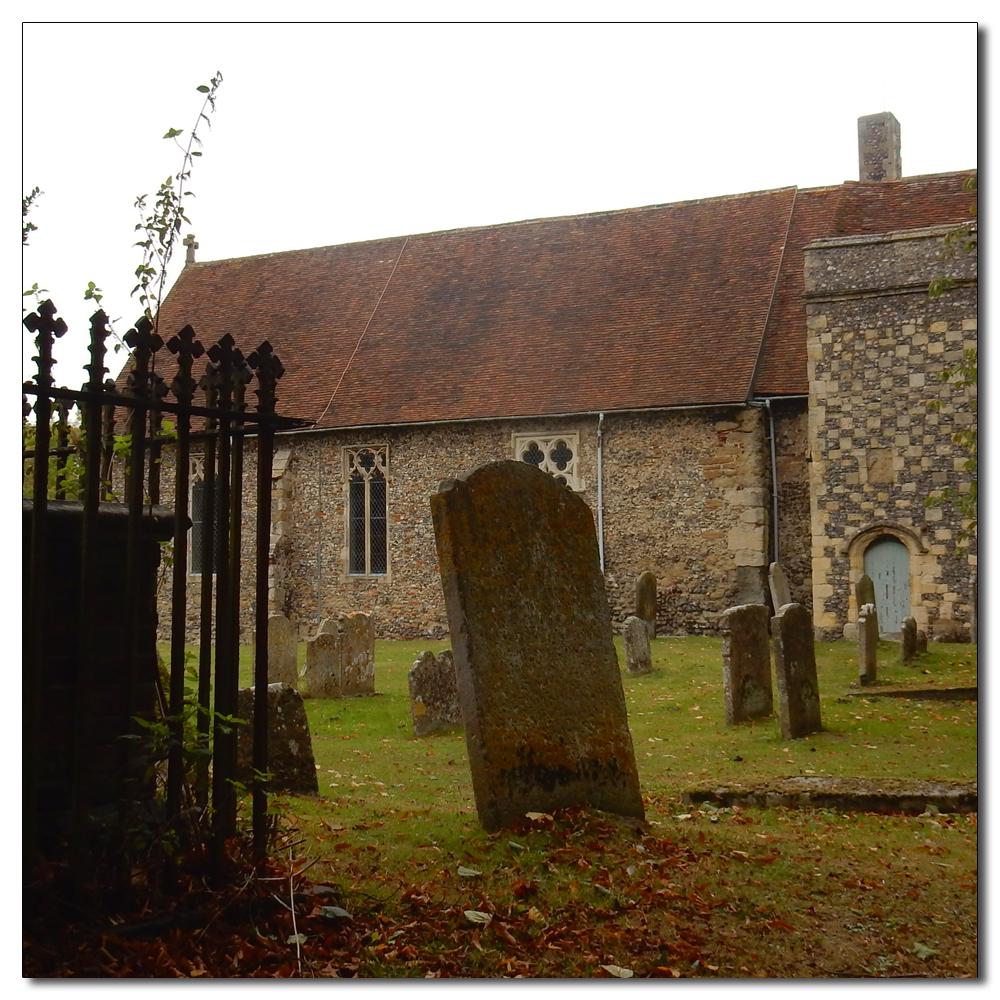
[
  {"x": 373, "y": 771},
  {"x": 701, "y": 891}
]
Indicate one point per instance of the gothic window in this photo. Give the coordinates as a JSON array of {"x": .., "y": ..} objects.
[
  {"x": 556, "y": 454},
  {"x": 367, "y": 535},
  {"x": 197, "y": 555}
]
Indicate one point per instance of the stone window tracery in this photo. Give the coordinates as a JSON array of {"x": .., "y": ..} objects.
[
  {"x": 556, "y": 454},
  {"x": 367, "y": 510}
]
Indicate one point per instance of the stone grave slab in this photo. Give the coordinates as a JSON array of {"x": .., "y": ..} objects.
[
  {"x": 433, "y": 693},
  {"x": 746, "y": 663},
  {"x": 795, "y": 672}
]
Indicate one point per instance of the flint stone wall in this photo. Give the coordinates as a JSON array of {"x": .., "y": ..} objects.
[
  {"x": 876, "y": 347},
  {"x": 535, "y": 662}
]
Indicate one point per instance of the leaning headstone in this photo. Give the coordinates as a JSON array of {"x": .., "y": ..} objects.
[
  {"x": 282, "y": 651},
  {"x": 746, "y": 663},
  {"x": 781, "y": 593},
  {"x": 864, "y": 593},
  {"x": 635, "y": 638},
  {"x": 867, "y": 644},
  {"x": 357, "y": 671},
  {"x": 322, "y": 671},
  {"x": 908, "y": 643},
  {"x": 433, "y": 693},
  {"x": 795, "y": 671},
  {"x": 290, "y": 761},
  {"x": 538, "y": 679},
  {"x": 645, "y": 601}
]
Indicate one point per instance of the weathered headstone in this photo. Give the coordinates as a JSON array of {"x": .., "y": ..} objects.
[
  {"x": 864, "y": 593},
  {"x": 867, "y": 644},
  {"x": 433, "y": 693},
  {"x": 331, "y": 626},
  {"x": 535, "y": 662},
  {"x": 635, "y": 638},
  {"x": 795, "y": 671},
  {"x": 908, "y": 640},
  {"x": 282, "y": 651},
  {"x": 746, "y": 663},
  {"x": 921, "y": 642},
  {"x": 322, "y": 671},
  {"x": 357, "y": 671},
  {"x": 290, "y": 761},
  {"x": 781, "y": 593},
  {"x": 645, "y": 600}
]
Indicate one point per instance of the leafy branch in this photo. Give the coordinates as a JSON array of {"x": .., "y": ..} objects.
[{"x": 163, "y": 222}]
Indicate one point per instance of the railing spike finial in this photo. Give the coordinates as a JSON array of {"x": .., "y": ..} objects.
[
  {"x": 46, "y": 328},
  {"x": 269, "y": 369},
  {"x": 184, "y": 345}
]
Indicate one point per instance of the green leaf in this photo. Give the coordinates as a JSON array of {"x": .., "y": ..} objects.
[
  {"x": 335, "y": 911},
  {"x": 297, "y": 939},
  {"x": 468, "y": 872},
  {"x": 618, "y": 972},
  {"x": 478, "y": 917},
  {"x": 170, "y": 133},
  {"x": 923, "y": 951},
  {"x": 202, "y": 89}
]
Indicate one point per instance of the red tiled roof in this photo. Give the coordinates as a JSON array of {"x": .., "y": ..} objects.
[{"x": 643, "y": 308}]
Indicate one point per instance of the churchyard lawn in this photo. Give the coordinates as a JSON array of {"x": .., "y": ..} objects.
[{"x": 700, "y": 891}]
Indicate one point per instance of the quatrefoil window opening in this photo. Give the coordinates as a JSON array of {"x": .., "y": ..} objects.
[{"x": 554, "y": 454}]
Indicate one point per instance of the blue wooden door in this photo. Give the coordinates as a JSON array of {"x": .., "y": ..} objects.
[{"x": 887, "y": 562}]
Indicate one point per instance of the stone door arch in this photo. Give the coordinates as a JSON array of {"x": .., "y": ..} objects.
[{"x": 887, "y": 562}]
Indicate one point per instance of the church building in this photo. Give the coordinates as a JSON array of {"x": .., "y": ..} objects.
[{"x": 727, "y": 382}]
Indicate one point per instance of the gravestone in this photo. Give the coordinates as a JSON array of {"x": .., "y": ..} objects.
[
  {"x": 746, "y": 663},
  {"x": 290, "y": 761},
  {"x": 864, "y": 593},
  {"x": 433, "y": 693},
  {"x": 322, "y": 671},
  {"x": 867, "y": 644},
  {"x": 282, "y": 651},
  {"x": 908, "y": 641},
  {"x": 635, "y": 638},
  {"x": 795, "y": 671},
  {"x": 357, "y": 670},
  {"x": 645, "y": 601},
  {"x": 331, "y": 626},
  {"x": 781, "y": 593},
  {"x": 535, "y": 663},
  {"x": 921, "y": 642}
]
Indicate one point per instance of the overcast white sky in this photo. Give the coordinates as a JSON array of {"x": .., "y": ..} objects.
[{"x": 329, "y": 133}]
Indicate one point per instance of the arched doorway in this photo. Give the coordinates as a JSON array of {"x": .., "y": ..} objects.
[{"x": 887, "y": 562}]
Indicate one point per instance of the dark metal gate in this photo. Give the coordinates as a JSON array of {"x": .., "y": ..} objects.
[{"x": 91, "y": 682}]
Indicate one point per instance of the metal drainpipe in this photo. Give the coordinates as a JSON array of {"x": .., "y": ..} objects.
[
  {"x": 600, "y": 487},
  {"x": 774, "y": 478}
]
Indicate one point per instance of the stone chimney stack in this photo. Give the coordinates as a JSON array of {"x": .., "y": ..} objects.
[{"x": 878, "y": 148}]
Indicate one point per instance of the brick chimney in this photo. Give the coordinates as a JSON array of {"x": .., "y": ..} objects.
[{"x": 878, "y": 148}]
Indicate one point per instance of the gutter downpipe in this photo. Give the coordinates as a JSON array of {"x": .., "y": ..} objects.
[
  {"x": 600, "y": 487},
  {"x": 774, "y": 477}
]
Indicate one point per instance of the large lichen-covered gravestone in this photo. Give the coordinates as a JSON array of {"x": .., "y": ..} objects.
[
  {"x": 645, "y": 600},
  {"x": 795, "y": 671},
  {"x": 535, "y": 663},
  {"x": 282, "y": 651},
  {"x": 867, "y": 644},
  {"x": 433, "y": 693},
  {"x": 746, "y": 663},
  {"x": 357, "y": 670},
  {"x": 781, "y": 593},
  {"x": 290, "y": 761},
  {"x": 635, "y": 640}
]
